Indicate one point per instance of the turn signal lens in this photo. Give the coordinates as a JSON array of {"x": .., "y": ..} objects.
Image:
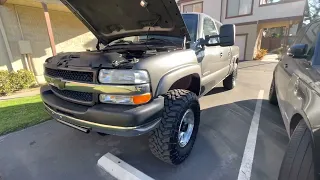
[{"x": 141, "y": 99}]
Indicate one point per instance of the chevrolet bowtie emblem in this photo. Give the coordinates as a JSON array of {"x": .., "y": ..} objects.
[
  {"x": 56, "y": 82},
  {"x": 60, "y": 84}
]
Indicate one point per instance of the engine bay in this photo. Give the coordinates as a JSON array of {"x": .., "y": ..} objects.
[{"x": 123, "y": 58}]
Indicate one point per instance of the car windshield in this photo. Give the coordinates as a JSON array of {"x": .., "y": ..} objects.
[
  {"x": 191, "y": 21},
  {"x": 150, "y": 39}
]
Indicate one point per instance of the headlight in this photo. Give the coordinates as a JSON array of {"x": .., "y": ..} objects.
[
  {"x": 122, "y": 99},
  {"x": 116, "y": 76}
]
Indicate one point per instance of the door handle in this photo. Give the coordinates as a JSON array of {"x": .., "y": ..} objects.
[
  {"x": 221, "y": 54},
  {"x": 285, "y": 65}
]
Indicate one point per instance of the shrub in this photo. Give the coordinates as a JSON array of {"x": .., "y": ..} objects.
[
  {"x": 5, "y": 86},
  {"x": 260, "y": 54},
  {"x": 14, "y": 81},
  {"x": 21, "y": 79}
]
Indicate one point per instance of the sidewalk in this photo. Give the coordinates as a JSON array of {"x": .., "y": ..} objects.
[
  {"x": 23, "y": 93},
  {"x": 270, "y": 58}
]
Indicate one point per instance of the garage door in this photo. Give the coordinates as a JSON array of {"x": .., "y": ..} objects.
[{"x": 241, "y": 42}]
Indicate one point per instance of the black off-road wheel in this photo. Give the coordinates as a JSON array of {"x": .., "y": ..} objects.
[
  {"x": 230, "y": 81},
  {"x": 298, "y": 163},
  {"x": 173, "y": 140},
  {"x": 273, "y": 94}
]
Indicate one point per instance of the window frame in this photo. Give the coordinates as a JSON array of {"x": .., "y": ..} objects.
[
  {"x": 275, "y": 3},
  {"x": 249, "y": 14},
  {"x": 200, "y": 2},
  {"x": 216, "y": 24},
  {"x": 314, "y": 42}
]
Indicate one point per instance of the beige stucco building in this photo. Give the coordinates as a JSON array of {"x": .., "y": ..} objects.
[
  {"x": 23, "y": 30},
  {"x": 250, "y": 18},
  {"x": 25, "y": 44}
]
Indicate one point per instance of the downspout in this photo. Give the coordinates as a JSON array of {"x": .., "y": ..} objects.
[
  {"x": 6, "y": 42},
  {"x": 49, "y": 28}
]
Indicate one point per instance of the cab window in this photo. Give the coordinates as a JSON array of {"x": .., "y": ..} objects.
[
  {"x": 311, "y": 38},
  {"x": 209, "y": 27}
]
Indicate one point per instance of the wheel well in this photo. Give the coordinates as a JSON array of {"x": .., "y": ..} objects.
[
  {"x": 190, "y": 82},
  {"x": 294, "y": 122},
  {"x": 237, "y": 60}
]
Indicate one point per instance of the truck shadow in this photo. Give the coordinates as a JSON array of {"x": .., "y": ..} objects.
[
  {"x": 216, "y": 90},
  {"x": 217, "y": 152}
]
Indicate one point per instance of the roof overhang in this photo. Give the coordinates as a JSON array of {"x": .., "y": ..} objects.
[
  {"x": 2, "y": 2},
  {"x": 52, "y": 4}
]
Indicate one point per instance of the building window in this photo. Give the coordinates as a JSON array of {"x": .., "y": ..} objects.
[
  {"x": 196, "y": 7},
  {"x": 239, "y": 8},
  {"x": 270, "y": 2},
  {"x": 263, "y": 2},
  {"x": 311, "y": 12}
]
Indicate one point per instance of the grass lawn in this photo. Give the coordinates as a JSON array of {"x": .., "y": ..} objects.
[{"x": 16, "y": 114}]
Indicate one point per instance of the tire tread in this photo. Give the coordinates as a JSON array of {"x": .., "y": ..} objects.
[
  {"x": 162, "y": 139},
  {"x": 298, "y": 159}
]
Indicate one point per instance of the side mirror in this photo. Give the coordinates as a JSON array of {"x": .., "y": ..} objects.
[
  {"x": 226, "y": 37},
  {"x": 227, "y": 34},
  {"x": 212, "y": 40},
  {"x": 298, "y": 51}
]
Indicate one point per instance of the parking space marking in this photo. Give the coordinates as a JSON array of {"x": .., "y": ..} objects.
[
  {"x": 120, "y": 169},
  {"x": 248, "y": 155}
]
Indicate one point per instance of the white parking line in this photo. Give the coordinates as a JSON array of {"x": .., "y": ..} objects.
[
  {"x": 120, "y": 169},
  {"x": 248, "y": 155}
]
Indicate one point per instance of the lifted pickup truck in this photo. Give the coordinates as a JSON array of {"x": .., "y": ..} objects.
[{"x": 154, "y": 66}]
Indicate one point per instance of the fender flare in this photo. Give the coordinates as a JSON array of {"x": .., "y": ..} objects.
[{"x": 174, "y": 75}]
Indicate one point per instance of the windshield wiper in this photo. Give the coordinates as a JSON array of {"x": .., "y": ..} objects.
[
  {"x": 120, "y": 42},
  {"x": 162, "y": 40}
]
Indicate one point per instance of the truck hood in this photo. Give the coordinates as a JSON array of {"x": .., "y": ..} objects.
[{"x": 109, "y": 20}]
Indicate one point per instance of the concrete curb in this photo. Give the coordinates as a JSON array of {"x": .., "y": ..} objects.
[{"x": 33, "y": 92}]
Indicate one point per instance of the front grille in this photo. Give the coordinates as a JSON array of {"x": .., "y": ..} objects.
[
  {"x": 74, "y": 95},
  {"x": 70, "y": 75}
]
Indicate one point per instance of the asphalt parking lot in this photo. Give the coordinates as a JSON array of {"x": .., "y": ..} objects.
[{"x": 54, "y": 151}]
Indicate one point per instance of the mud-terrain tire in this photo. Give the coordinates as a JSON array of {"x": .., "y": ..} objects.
[
  {"x": 164, "y": 141},
  {"x": 230, "y": 81},
  {"x": 298, "y": 163},
  {"x": 273, "y": 93}
]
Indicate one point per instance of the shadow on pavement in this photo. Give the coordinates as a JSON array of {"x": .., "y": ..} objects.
[
  {"x": 260, "y": 64},
  {"x": 59, "y": 152},
  {"x": 216, "y": 90},
  {"x": 218, "y": 151}
]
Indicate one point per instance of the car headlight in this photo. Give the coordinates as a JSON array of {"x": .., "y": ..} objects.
[
  {"x": 116, "y": 76},
  {"x": 123, "y": 99}
]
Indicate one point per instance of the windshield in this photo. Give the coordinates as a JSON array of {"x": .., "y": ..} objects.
[
  {"x": 191, "y": 21},
  {"x": 150, "y": 39}
]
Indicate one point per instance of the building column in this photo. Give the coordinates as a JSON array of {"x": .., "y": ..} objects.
[
  {"x": 6, "y": 43},
  {"x": 49, "y": 28}
]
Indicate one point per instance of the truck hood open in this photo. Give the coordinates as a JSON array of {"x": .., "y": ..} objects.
[{"x": 109, "y": 20}]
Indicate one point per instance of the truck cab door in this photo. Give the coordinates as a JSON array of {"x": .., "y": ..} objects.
[
  {"x": 292, "y": 70},
  {"x": 213, "y": 61},
  {"x": 303, "y": 73}
]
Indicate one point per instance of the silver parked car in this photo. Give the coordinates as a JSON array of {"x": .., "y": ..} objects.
[{"x": 296, "y": 89}]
